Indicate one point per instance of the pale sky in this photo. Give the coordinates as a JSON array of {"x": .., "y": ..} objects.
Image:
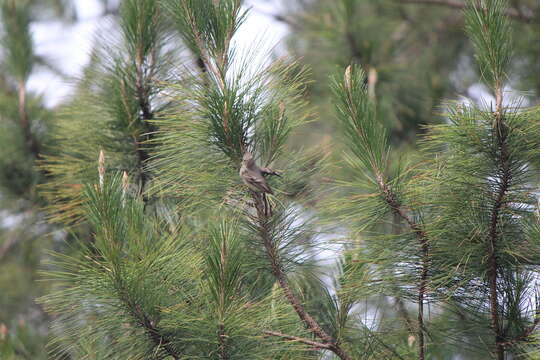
[{"x": 69, "y": 45}]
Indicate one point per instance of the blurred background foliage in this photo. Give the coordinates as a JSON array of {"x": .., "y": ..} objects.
[{"x": 415, "y": 54}]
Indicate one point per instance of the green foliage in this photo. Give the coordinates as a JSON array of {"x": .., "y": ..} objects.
[
  {"x": 24, "y": 123},
  {"x": 366, "y": 138},
  {"x": 143, "y": 34},
  {"x": 490, "y": 32},
  {"x": 473, "y": 173},
  {"x": 207, "y": 26},
  {"x": 459, "y": 224},
  {"x": 17, "y": 40},
  {"x": 151, "y": 290},
  {"x": 395, "y": 44},
  {"x": 228, "y": 299},
  {"x": 170, "y": 256},
  {"x": 247, "y": 116},
  {"x": 115, "y": 103}
]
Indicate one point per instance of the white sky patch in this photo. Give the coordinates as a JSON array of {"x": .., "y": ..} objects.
[
  {"x": 66, "y": 46},
  {"x": 259, "y": 38},
  {"x": 88, "y": 9}
]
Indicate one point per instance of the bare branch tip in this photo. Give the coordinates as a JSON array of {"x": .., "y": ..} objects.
[
  {"x": 101, "y": 168},
  {"x": 347, "y": 78}
]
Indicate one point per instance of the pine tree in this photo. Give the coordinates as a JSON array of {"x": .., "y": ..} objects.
[
  {"x": 230, "y": 285},
  {"x": 179, "y": 258},
  {"x": 470, "y": 214},
  {"x": 491, "y": 164}
]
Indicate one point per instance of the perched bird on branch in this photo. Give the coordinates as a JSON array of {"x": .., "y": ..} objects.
[{"x": 254, "y": 177}]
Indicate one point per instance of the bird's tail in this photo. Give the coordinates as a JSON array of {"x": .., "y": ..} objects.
[{"x": 267, "y": 206}]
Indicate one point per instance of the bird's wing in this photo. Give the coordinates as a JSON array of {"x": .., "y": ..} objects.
[{"x": 257, "y": 182}]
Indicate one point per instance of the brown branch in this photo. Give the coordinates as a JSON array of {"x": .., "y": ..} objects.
[
  {"x": 29, "y": 138},
  {"x": 222, "y": 339},
  {"x": 312, "y": 325},
  {"x": 505, "y": 179},
  {"x": 203, "y": 54},
  {"x": 135, "y": 310},
  {"x": 401, "y": 309},
  {"x": 315, "y": 344},
  {"x": 142, "y": 91},
  {"x": 397, "y": 208},
  {"x": 527, "y": 333},
  {"x": 143, "y": 98},
  {"x": 531, "y": 328},
  {"x": 399, "y": 211},
  {"x": 516, "y": 14},
  {"x": 158, "y": 339}
]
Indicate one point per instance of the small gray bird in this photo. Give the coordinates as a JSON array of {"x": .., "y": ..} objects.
[{"x": 253, "y": 176}]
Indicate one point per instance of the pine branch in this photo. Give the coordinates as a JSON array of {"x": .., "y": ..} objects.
[
  {"x": 531, "y": 328},
  {"x": 368, "y": 139},
  {"x": 147, "y": 115},
  {"x": 222, "y": 336},
  {"x": 400, "y": 305},
  {"x": 19, "y": 60},
  {"x": 315, "y": 344},
  {"x": 279, "y": 274},
  {"x": 489, "y": 32},
  {"x": 142, "y": 91},
  {"x": 505, "y": 179},
  {"x": 30, "y": 141},
  {"x": 214, "y": 55},
  {"x": 397, "y": 208},
  {"x": 141, "y": 28},
  {"x": 204, "y": 58},
  {"x": 516, "y": 14},
  {"x": 527, "y": 333},
  {"x": 159, "y": 340}
]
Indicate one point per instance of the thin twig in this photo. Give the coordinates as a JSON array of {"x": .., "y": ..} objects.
[
  {"x": 315, "y": 344},
  {"x": 455, "y": 4},
  {"x": 505, "y": 179},
  {"x": 278, "y": 272},
  {"x": 30, "y": 140},
  {"x": 222, "y": 337},
  {"x": 397, "y": 208},
  {"x": 143, "y": 97},
  {"x": 141, "y": 318}
]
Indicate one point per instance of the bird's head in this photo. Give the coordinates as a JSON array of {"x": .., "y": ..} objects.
[{"x": 247, "y": 159}]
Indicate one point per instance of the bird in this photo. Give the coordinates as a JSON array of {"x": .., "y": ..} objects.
[{"x": 254, "y": 177}]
